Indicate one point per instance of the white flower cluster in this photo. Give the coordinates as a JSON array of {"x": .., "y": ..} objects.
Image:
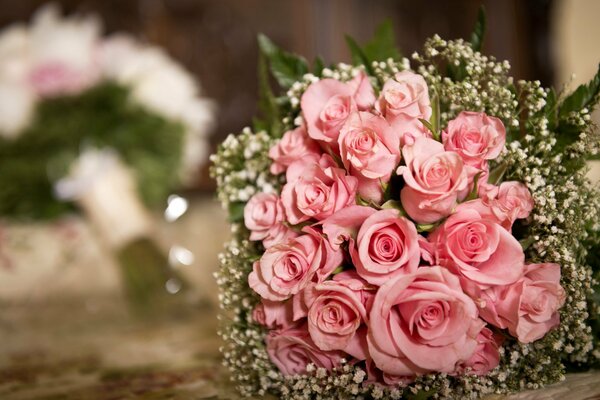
[
  {"x": 241, "y": 167},
  {"x": 480, "y": 83}
]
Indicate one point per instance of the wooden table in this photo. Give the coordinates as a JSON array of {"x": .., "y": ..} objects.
[
  {"x": 65, "y": 332},
  {"x": 94, "y": 349}
]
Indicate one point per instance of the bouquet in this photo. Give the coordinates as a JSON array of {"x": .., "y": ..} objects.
[
  {"x": 409, "y": 228},
  {"x": 65, "y": 89},
  {"x": 108, "y": 125}
]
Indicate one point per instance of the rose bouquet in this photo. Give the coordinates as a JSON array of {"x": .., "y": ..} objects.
[{"x": 408, "y": 229}]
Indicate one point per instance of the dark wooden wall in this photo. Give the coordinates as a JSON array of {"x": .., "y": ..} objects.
[{"x": 216, "y": 39}]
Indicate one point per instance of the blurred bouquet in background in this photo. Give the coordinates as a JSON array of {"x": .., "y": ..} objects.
[{"x": 109, "y": 125}]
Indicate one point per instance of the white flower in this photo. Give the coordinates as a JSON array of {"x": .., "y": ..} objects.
[
  {"x": 16, "y": 99},
  {"x": 163, "y": 86},
  {"x": 54, "y": 55},
  {"x": 16, "y": 108},
  {"x": 14, "y": 45},
  {"x": 70, "y": 40},
  {"x": 61, "y": 52}
]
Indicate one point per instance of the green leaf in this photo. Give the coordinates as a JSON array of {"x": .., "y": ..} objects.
[
  {"x": 287, "y": 68},
  {"x": 497, "y": 174},
  {"x": 338, "y": 270},
  {"x": 427, "y": 125},
  {"x": 318, "y": 66},
  {"x": 425, "y": 227},
  {"x": 381, "y": 47},
  {"x": 474, "y": 191},
  {"x": 358, "y": 55},
  {"x": 435, "y": 116},
  {"x": 479, "y": 31},
  {"x": 434, "y": 122},
  {"x": 268, "y": 105},
  {"x": 551, "y": 110},
  {"x": 393, "y": 205},
  {"x": 525, "y": 243},
  {"x": 236, "y": 211},
  {"x": 383, "y": 44},
  {"x": 585, "y": 96}
]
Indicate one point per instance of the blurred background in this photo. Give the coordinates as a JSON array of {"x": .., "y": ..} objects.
[
  {"x": 53, "y": 268},
  {"x": 216, "y": 39}
]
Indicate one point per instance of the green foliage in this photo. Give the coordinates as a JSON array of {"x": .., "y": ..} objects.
[
  {"x": 318, "y": 66},
  {"x": 268, "y": 107},
  {"x": 551, "y": 110},
  {"x": 479, "y": 31},
  {"x": 100, "y": 117},
  {"x": 565, "y": 118},
  {"x": 235, "y": 211},
  {"x": 585, "y": 96},
  {"x": 380, "y": 48},
  {"x": 497, "y": 174},
  {"x": 287, "y": 68}
]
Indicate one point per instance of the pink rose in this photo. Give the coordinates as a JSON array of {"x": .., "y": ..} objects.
[
  {"x": 478, "y": 248},
  {"x": 292, "y": 350},
  {"x": 287, "y": 268},
  {"x": 273, "y": 314},
  {"x": 485, "y": 358},
  {"x": 528, "y": 307},
  {"x": 409, "y": 130},
  {"x": 476, "y": 137},
  {"x": 387, "y": 245},
  {"x": 541, "y": 296},
  {"x": 370, "y": 150},
  {"x": 344, "y": 224},
  {"x": 57, "y": 78},
  {"x": 433, "y": 179},
  {"x": 264, "y": 217},
  {"x": 362, "y": 91},
  {"x": 406, "y": 96},
  {"x": 422, "y": 322},
  {"x": 326, "y": 105},
  {"x": 378, "y": 377},
  {"x": 336, "y": 309},
  {"x": 508, "y": 202},
  {"x": 294, "y": 145},
  {"x": 316, "y": 190}
]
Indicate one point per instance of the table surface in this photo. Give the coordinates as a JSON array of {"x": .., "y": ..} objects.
[
  {"x": 66, "y": 333},
  {"x": 94, "y": 349}
]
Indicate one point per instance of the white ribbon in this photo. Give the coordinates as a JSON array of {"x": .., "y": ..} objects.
[{"x": 105, "y": 189}]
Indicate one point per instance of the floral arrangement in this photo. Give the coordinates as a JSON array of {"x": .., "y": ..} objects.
[
  {"x": 409, "y": 228},
  {"x": 65, "y": 89}
]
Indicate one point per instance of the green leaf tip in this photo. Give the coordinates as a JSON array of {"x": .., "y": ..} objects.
[
  {"x": 585, "y": 96},
  {"x": 287, "y": 68},
  {"x": 479, "y": 31},
  {"x": 380, "y": 48}
]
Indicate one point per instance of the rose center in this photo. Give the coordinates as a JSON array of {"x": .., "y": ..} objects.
[
  {"x": 471, "y": 142},
  {"x": 336, "y": 109},
  {"x": 437, "y": 174},
  {"x": 387, "y": 245},
  {"x": 289, "y": 269}
]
